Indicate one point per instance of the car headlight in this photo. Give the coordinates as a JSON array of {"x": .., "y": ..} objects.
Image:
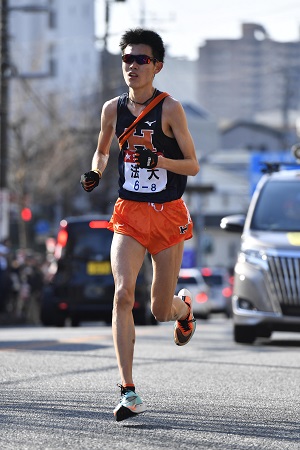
[{"x": 254, "y": 257}]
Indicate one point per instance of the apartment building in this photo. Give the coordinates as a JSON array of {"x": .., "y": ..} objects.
[
  {"x": 239, "y": 78},
  {"x": 52, "y": 49}
]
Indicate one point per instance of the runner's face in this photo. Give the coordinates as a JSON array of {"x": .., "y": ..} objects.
[{"x": 139, "y": 75}]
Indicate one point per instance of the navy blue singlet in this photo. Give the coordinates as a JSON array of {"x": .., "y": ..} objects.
[{"x": 147, "y": 185}]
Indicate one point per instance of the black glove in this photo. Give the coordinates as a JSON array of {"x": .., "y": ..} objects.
[
  {"x": 89, "y": 180},
  {"x": 145, "y": 158}
]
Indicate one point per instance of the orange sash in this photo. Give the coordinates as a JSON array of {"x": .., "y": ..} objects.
[{"x": 124, "y": 136}]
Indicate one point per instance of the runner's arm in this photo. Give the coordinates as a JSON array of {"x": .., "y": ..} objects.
[
  {"x": 106, "y": 134},
  {"x": 174, "y": 124}
]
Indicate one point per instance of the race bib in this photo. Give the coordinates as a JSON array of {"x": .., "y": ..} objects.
[
  {"x": 144, "y": 180},
  {"x": 140, "y": 180}
]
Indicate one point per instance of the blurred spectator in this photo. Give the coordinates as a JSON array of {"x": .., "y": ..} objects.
[
  {"x": 22, "y": 277},
  {"x": 31, "y": 281},
  {"x": 15, "y": 287},
  {"x": 4, "y": 273}
]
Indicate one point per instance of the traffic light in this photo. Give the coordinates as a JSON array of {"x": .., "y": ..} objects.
[{"x": 26, "y": 214}]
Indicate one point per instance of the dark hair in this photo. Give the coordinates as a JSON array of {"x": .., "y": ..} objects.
[{"x": 147, "y": 37}]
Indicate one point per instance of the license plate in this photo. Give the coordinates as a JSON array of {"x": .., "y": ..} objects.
[{"x": 98, "y": 268}]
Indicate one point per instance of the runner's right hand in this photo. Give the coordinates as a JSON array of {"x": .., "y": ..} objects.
[
  {"x": 145, "y": 158},
  {"x": 89, "y": 180}
]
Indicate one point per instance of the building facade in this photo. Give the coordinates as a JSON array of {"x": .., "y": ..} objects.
[
  {"x": 240, "y": 78},
  {"x": 52, "y": 48}
]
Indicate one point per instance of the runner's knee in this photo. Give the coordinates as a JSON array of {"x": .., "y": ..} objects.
[
  {"x": 160, "y": 312},
  {"x": 123, "y": 299}
]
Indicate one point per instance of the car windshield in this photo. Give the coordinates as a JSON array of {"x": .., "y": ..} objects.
[
  {"x": 213, "y": 280},
  {"x": 88, "y": 243},
  {"x": 278, "y": 206},
  {"x": 187, "y": 280}
]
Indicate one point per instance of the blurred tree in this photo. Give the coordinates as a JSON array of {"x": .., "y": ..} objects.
[{"x": 50, "y": 148}]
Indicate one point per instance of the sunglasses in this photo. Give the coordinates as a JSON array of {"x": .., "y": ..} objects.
[{"x": 140, "y": 59}]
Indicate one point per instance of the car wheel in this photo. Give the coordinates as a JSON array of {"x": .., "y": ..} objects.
[
  {"x": 75, "y": 322},
  {"x": 153, "y": 321},
  {"x": 144, "y": 317},
  {"x": 46, "y": 321},
  {"x": 47, "y": 316},
  {"x": 60, "y": 321},
  {"x": 265, "y": 333},
  {"x": 202, "y": 316},
  {"x": 55, "y": 320},
  {"x": 228, "y": 313},
  {"x": 244, "y": 335},
  {"x": 140, "y": 318}
]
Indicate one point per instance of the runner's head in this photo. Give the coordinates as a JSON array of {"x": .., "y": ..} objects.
[{"x": 146, "y": 37}]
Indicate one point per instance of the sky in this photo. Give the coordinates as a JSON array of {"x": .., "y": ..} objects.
[{"x": 185, "y": 24}]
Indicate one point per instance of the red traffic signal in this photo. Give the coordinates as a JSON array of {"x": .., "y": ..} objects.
[{"x": 26, "y": 214}]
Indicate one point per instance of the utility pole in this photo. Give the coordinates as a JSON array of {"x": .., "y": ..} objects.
[
  {"x": 108, "y": 61},
  {"x": 6, "y": 74},
  {"x": 142, "y": 14},
  {"x": 5, "y": 67},
  {"x": 4, "y": 94},
  {"x": 107, "y": 20}
]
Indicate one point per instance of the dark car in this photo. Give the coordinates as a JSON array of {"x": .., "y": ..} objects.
[{"x": 82, "y": 288}]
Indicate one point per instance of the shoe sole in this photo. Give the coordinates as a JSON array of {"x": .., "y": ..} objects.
[
  {"x": 177, "y": 341},
  {"x": 124, "y": 413},
  {"x": 184, "y": 293}
]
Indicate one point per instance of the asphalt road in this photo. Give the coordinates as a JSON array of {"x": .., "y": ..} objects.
[{"x": 58, "y": 390}]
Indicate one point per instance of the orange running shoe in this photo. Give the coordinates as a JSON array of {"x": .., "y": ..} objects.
[{"x": 184, "y": 329}]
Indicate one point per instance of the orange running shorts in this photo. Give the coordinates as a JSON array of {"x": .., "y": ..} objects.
[{"x": 156, "y": 226}]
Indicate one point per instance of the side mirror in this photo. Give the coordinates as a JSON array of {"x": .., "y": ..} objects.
[{"x": 234, "y": 224}]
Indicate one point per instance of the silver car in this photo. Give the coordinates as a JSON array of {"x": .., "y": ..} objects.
[
  {"x": 266, "y": 291},
  {"x": 220, "y": 290}
]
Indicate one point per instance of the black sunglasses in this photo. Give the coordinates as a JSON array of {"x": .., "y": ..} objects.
[{"x": 140, "y": 59}]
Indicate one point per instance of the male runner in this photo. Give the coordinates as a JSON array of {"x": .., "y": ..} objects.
[{"x": 149, "y": 214}]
